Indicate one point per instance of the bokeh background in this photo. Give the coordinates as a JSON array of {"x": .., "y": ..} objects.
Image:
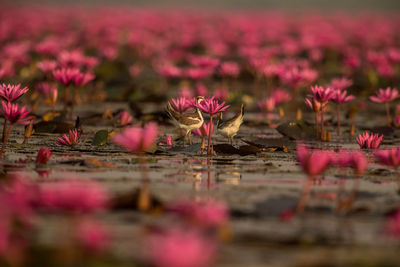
[{"x": 344, "y": 5}]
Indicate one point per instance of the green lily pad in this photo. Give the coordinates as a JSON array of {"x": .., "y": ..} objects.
[{"x": 100, "y": 138}]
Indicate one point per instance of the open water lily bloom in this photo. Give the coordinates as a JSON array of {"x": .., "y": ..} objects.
[{"x": 136, "y": 139}]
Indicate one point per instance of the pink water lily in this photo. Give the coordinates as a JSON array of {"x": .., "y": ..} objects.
[
  {"x": 43, "y": 155},
  {"x": 390, "y": 157},
  {"x": 386, "y": 96},
  {"x": 211, "y": 106},
  {"x": 340, "y": 97},
  {"x": 71, "y": 139},
  {"x": 136, "y": 139},
  {"x": 313, "y": 162},
  {"x": 182, "y": 104},
  {"x": 125, "y": 118},
  {"x": 11, "y": 92},
  {"x": 367, "y": 140}
]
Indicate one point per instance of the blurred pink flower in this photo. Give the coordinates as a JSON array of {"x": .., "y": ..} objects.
[
  {"x": 367, "y": 140},
  {"x": 340, "y": 97},
  {"x": 73, "y": 196},
  {"x": 125, "y": 118},
  {"x": 82, "y": 78},
  {"x": 169, "y": 140},
  {"x": 340, "y": 83},
  {"x": 313, "y": 162},
  {"x": 66, "y": 76},
  {"x": 136, "y": 139},
  {"x": 385, "y": 95},
  {"x": 390, "y": 157},
  {"x": 46, "y": 66},
  {"x": 280, "y": 96},
  {"x": 71, "y": 139},
  {"x": 179, "y": 248},
  {"x": 267, "y": 104},
  {"x": 43, "y": 155},
  {"x": 11, "y": 92},
  {"x": 229, "y": 68},
  {"x": 221, "y": 93},
  {"x": 93, "y": 236}
]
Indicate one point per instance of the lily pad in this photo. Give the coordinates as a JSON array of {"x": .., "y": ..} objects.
[
  {"x": 297, "y": 130},
  {"x": 231, "y": 150},
  {"x": 280, "y": 144},
  {"x": 53, "y": 127},
  {"x": 100, "y": 138}
]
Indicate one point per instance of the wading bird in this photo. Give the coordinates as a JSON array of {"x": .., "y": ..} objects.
[
  {"x": 187, "y": 121},
  {"x": 229, "y": 128}
]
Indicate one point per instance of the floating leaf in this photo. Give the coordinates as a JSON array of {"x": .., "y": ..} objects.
[
  {"x": 297, "y": 130},
  {"x": 272, "y": 144},
  {"x": 100, "y": 138},
  {"x": 53, "y": 127}
]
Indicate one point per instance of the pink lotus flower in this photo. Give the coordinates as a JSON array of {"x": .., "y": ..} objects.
[
  {"x": 280, "y": 96},
  {"x": 12, "y": 93},
  {"x": 340, "y": 83},
  {"x": 267, "y": 104},
  {"x": 73, "y": 196},
  {"x": 169, "y": 140},
  {"x": 16, "y": 115},
  {"x": 136, "y": 139},
  {"x": 182, "y": 104},
  {"x": 359, "y": 162},
  {"x": 229, "y": 68},
  {"x": 383, "y": 95},
  {"x": 46, "y": 66},
  {"x": 356, "y": 160},
  {"x": 81, "y": 79},
  {"x": 367, "y": 140},
  {"x": 71, "y": 139},
  {"x": 313, "y": 104},
  {"x": 204, "y": 213},
  {"x": 66, "y": 76},
  {"x": 313, "y": 162},
  {"x": 321, "y": 94},
  {"x": 211, "y": 106},
  {"x": 93, "y": 236},
  {"x": 179, "y": 248},
  {"x": 340, "y": 97},
  {"x": 43, "y": 155},
  {"x": 390, "y": 157},
  {"x": 125, "y": 118}
]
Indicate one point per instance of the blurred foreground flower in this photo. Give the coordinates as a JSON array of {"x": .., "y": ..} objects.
[
  {"x": 136, "y": 139},
  {"x": 385, "y": 96}
]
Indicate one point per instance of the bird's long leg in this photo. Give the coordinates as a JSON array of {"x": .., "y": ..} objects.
[
  {"x": 190, "y": 137},
  {"x": 184, "y": 139}
]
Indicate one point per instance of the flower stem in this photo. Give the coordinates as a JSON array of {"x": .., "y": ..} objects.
[
  {"x": 144, "y": 201},
  {"x": 209, "y": 135},
  {"x": 316, "y": 125},
  {"x": 338, "y": 119},
  {"x": 5, "y": 141},
  {"x": 322, "y": 124},
  {"x": 304, "y": 195},
  {"x": 4, "y": 129},
  {"x": 389, "y": 118},
  {"x": 66, "y": 98}
]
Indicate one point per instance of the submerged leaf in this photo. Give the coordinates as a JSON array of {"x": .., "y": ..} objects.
[
  {"x": 53, "y": 127},
  {"x": 272, "y": 144},
  {"x": 231, "y": 150}
]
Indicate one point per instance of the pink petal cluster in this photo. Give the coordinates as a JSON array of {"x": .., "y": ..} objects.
[
  {"x": 125, "y": 118},
  {"x": 11, "y": 92},
  {"x": 136, "y": 139},
  {"x": 212, "y": 106},
  {"x": 71, "y": 139},
  {"x": 179, "y": 248},
  {"x": 313, "y": 162},
  {"x": 280, "y": 96},
  {"x": 367, "y": 140},
  {"x": 340, "y": 97},
  {"x": 390, "y": 157},
  {"x": 43, "y": 155},
  {"x": 208, "y": 213},
  {"x": 383, "y": 95},
  {"x": 354, "y": 159},
  {"x": 73, "y": 196},
  {"x": 68, "y": 76},
  {"x": 322, "y": 94},
  {"x": 340, "y": 83},
  {"x": 93, "y": 236},
  {"x": 182, "y": 104},
  {"x": 46, "y": 66},
  {"x": 229, "y": 68},
  {"x": 16, "y": 115}
]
